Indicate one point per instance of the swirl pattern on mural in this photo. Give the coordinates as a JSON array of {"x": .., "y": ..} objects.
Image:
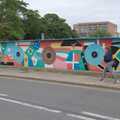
[
  {"x": 49, "y": 55},
  {"x": 94, "y": 54}
]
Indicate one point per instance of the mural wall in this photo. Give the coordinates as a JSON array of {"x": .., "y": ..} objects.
[{"x": 74, "y": 55}]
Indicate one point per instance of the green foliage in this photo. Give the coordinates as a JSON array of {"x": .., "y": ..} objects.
[
  {"x": 101, "y": 33},
  {"x": 16, "y": 21},
  {"x": 56, "y": 27},
  {"x": 10, "y": 21},
  {"x": 32, "y": 24}
]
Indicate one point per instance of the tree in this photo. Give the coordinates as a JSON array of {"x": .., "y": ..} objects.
[
  {"x": 56, "y": 27},
  {"x": 74, "y": 34},
  {"x": 101, "y": 33},
  {"x": 33, "y": 25},
  {"x": 10, "y": 18},
  {"x": 16, "y": 21}
]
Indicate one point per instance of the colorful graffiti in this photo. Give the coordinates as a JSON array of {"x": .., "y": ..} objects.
[{"x": 74, "y": 55}]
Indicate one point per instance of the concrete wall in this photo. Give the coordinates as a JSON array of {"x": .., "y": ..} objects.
[{"x": 60, "y": 54}]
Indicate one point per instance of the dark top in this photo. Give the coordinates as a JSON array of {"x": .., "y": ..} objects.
[{"x": 108, "y": 57}]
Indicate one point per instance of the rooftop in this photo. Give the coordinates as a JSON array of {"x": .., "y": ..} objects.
[{"x": 102, "y": 22}]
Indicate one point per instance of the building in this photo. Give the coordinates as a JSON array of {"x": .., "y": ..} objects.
[{"x": 86, "y": 29}]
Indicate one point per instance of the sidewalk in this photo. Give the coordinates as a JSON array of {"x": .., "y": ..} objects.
[{"x": 59, "y": 77}]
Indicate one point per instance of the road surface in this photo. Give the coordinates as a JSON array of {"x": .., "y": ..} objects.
[{"x": 35, "y": 100}]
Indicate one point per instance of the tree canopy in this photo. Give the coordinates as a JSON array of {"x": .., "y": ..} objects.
[
  {"x": 101, "y": 33},
  {"x": 56, "y": 27},
  {"x": 19, "y": 22},
  {"x": 10, "y": 18}
]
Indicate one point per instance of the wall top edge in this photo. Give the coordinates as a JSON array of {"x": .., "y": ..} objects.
[{"x": 72, "y": 39}]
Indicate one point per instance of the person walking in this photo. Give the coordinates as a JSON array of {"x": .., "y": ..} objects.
[{"x": 109, "y": 65}]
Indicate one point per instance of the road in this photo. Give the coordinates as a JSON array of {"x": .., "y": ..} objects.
[{"x": 35, "y": 100}]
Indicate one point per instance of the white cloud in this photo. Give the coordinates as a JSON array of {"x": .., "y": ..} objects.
[{"x": 80, "y": 10}]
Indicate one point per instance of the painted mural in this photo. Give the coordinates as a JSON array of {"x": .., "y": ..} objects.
[{"x": 73, "y": 55}]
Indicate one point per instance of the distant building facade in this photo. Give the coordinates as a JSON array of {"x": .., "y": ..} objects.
[{"x": 86, "y": 29}]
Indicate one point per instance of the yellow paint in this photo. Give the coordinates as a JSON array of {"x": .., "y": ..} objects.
[
  {"x": 56, "y": 45},
  {"x": 25, "y": 60},
  {"x": 115, "y": 55}
]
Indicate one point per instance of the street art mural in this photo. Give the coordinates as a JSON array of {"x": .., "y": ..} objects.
[{"x": 76, "y": 55}]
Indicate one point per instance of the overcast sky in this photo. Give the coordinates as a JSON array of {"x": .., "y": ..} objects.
[{"x": 75, "y": 11}]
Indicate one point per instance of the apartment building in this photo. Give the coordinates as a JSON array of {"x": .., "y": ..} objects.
[{"x": 86, "y": 29}]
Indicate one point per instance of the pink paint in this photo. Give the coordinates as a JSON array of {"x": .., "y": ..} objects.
[{"x": 59, "y": 63}]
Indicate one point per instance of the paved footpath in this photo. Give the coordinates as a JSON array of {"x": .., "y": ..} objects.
[{"x": 59, "y": 77}]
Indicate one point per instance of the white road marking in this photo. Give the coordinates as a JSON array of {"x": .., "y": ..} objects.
[
  {"x": 80, "y": 117},
  {"x": 83, "y": 116},
  {"x": 29, "y": 105},
  {"x": 3, "y": 94},
  {"x": 99, "y": 116}
]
